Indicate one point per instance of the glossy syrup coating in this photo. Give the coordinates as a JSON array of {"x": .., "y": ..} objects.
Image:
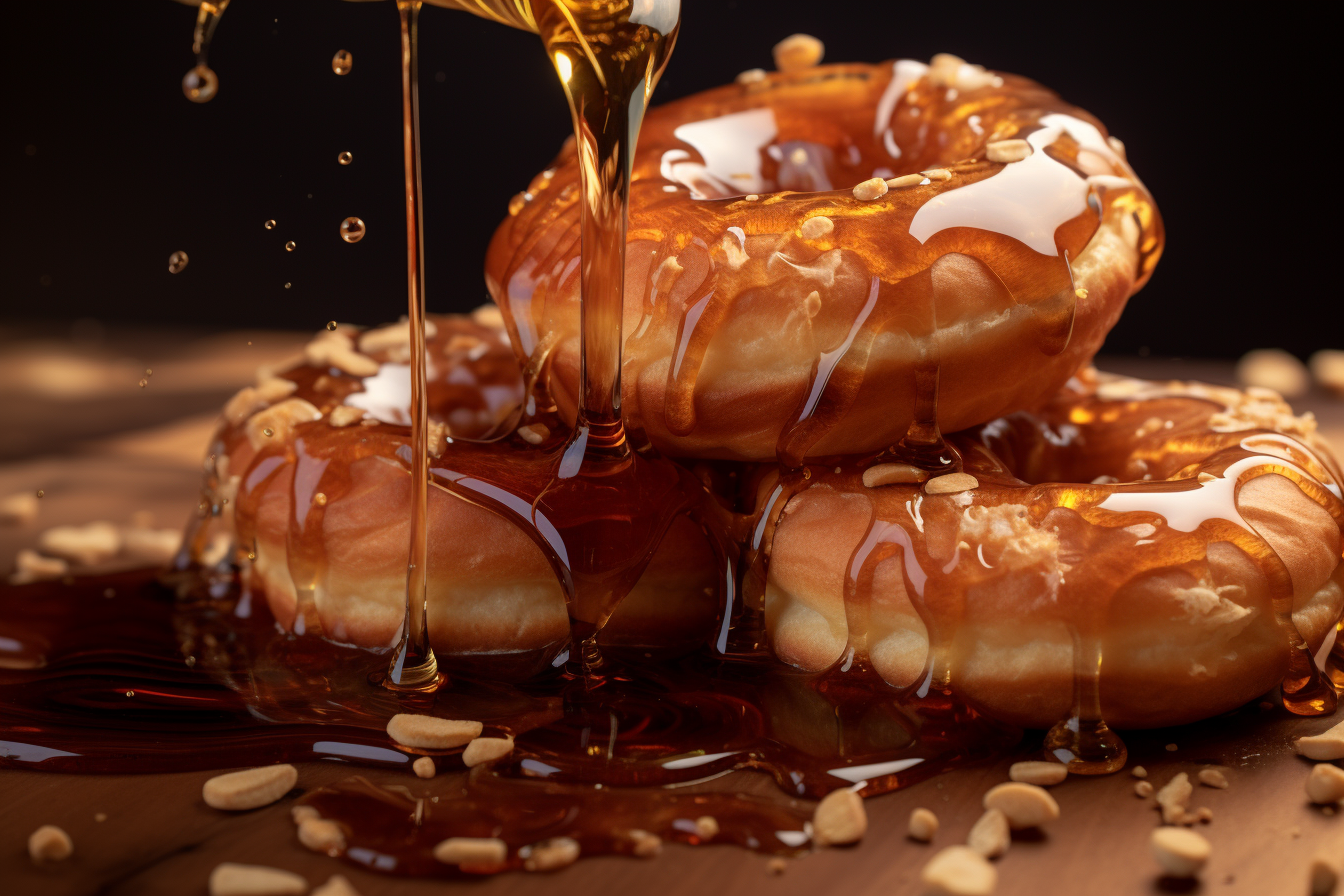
[
  {"x": 1137, "y": 554},
  {"x": 773, "y": 313}
]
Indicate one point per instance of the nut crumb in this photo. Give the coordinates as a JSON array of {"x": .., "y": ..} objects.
[
  {"x": 751, "y": 76},
  {"x": 18, "y": 508},
  {"x": 322, "y": 835},
  {"x": 1143, "y": 789},
  {"x": 989, "y": 836},
  {"x": 484, "y": 750},
  {"x": 1024, "y": 805},
  {"x": 706, "y": 827},
  {"x": 30, "y": 566},
  {"x": 1042, "y": 774},
  {"x": 232, "y": 879},
  {"x": 344, "y": 415},
  {"x": 645, "y": 845},
  {"x": 1174, "y": 798},
  {"x": 777, "y": 866},
  {"x": 424, "y": 767},
  {"x": 816, "y": 227},
  {"x": 552, "y": 855},
  {"x": 1139, "y": 771},
  {"x": 959, "y": 871},
  {"x": 336, "y": 885},
  {"x": 798, "y": 52},
  {"x": 937, "y": 174},
  {"x": 534, "y": 433},
  {"x": 1212, "y": 777},
  {"x": 481, "y": 854},
  {"x": 1325, "y": 784}
]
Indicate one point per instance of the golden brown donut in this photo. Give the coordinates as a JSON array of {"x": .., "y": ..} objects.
[
  {"x": 308, "y": 460},
  {"x": 1162, "y": 519},
  {"x": 775, "y": 305}
]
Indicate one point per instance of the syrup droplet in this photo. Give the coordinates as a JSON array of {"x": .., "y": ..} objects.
[
  {"x": 41, "y": 493},
  {"x": 130, "y": 693},
  {"x": 287, "y": 286},
  {"x": 200, "y": 84},
  {"x": 143, "y": 382},
  {"x": 176, "y": 262},
  {"x": 320, "y": 499},
  {"x": 149, "y": 371},
  {"x": 270, "y": 224},
  {"x": 345, "y": 158},
  {"x": 268, "y": 432},
  {"x": 352, "y": 230},
  {"x": 289, "y": 246},
  {"x": 331, "y": 324},
  {"x": 342, "y": 62}
]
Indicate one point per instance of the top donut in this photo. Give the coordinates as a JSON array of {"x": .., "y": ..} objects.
[{"x": 827, "y": 261}]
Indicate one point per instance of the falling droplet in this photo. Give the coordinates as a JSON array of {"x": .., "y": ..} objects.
[
  {"x": 320, "y": 499},
  {"x": 143, "y": 382},
  {"x": 342, "y": 62},
  {"x": 176, "y": 262},
  {"x": 331, "y": 325},
  {"x": 130, "y": 693},
  {"x": 191, "y": 661},
  {"x": 268, "y": 432},
  {"x": 345, "y": 158},
  {"x": 200, "y": 84},
  {"x": 287, "y": 286},
  {"x": 41, "y": 493},
  {"x": 109, "y": 593},
  {"x": 352, "y": 230},
  {"x": 289, "y": 246},
  {"x": 270, "y": 224}
]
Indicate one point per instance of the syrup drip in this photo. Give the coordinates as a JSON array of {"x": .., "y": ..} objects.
[{"x": 201, "y": 83}]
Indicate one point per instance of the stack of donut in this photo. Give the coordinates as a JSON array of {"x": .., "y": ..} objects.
[{"x": 876, "y": 291}]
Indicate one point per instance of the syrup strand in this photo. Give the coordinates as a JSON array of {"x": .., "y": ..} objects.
[
  {"x": 414, "y": 665},
  {"x": 200, "y": 84}
]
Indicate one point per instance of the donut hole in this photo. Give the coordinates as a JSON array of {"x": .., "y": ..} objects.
[{"x": 802, "y": 136}]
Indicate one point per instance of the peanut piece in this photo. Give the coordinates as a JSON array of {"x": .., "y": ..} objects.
[
  {"x": 232, "y": 879},
  {"x": 1325, "y": 784},
  {"x": 424, "y": 767},
  {"x": 950, "y": 483},
  {"x": 482, "y": 853},
  {"x": 798, "y": 52},
  {"x": 923, "y": 825},
  {"x": 707, "y": 827},
  {"x": 18, "y": 508},
  {"x": 430, "y": 732},
  {"x": 839, "y": 819},
  {"x": 646, "y": 845},
  {"x": 1212, "y": 777},
  {"x": 85, "y": 545},
  {"x": 1024, "y": 805},
  {"x": 1042, "y": 774},
  {"x": 250, "y": 788},
  {"x": 336, "y": 885},
  {"x": 1180, "y": 852},
  {"x": 1174, "y": 797},
  {"x": 1007, "y": 150},
  {"x": 322, "y": 835},
  {"x": 989, "y": 836},
  {"x": 552, "y": 855},
  {"x": 1325, "y": 746},
  {"x": 959, "y": 871},
  {"x": 813, "y": 228},
  {"x": 484, "y": 750},
  {"x": 870, "y": 189},
  {"x": 49, "y": 844},
  {"x": 890, "y": 474}
]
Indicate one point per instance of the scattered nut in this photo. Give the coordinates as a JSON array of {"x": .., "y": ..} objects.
[
  {"x": 336, "y": 885},
  {"x": 250, "y": 788},
  {"x": 489, "y": 315},
  {"x": 322, "y": 835},
  {"x": 905, "y": 180},
  {"x": 1206, "y": 477},
  {"x": 1180, "y": 852},
  {"x": 813, "y": 228},
  {"x": 552, "y": 855},
  {"x": 86, "y": 545},
  {"x": 431, "y": 732},
  {"x": 1325, "y": 746},
  {"x": 1273, "y": 368},
  {"x": 1174, "y": 797},
  {"x": 393, "y": 336},
  {"x": 1139, "y": 771},
  {"x": 30, "y": 566},
  {"x": 777, "y": 866},
  {"x": 424, "y": 767},
  {"x": 989, "y": 836},
  {"x": 752, "y": 76},
  {"x": 1212, "y": 777},
  {"x": 1323, "y": 874},
  {"x": 707, "y": 827},
  {"x": 334, "y": 349},
  {"x": 1204, "y": 814},
  {"x": 232, "y": 879},
  {"x": 156, "y": 546},
  {"x": 473, "y": 853},
  {"x": 892, "y": 474},
  {"x": 870, "y": 189},
  {"x": 1042, "y": 774},
  {"x": 1007, "y": 150},
  {"x": 959, "y": 871},
  {"x": 483, "y": 750},
  {"x": 950, "y": 483},
  {"x": 1143, "y": 789},
  {"x": 797, "y": 52},
  {"x": 277, "y": 422},
  {"x": 49, "y": 844},
  {"x": 22, "y": 508},
  {"x": 534, "y": 433},
  {"x": 1325, "y": 783},
  {"x": 1024, "y": 805},
  {"x": 344, "y": 415},
  {"x": 1327, "y": 366},
  {"x": 937, "y": 174},
  {"x": 644, "y": 844},
  {"x": 923, "y": 825},
  {"x": 839, "y": 819},
  {"x": 1172, "y": 748}
]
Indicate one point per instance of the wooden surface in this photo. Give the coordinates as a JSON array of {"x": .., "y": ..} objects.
[{"x": 103, "y": 448}]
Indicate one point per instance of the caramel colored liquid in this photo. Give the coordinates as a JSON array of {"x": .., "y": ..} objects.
[{"x": 201, "y": 84}]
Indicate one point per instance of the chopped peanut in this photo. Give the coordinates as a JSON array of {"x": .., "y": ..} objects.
[
  {"x": 797, "y": 52},
  {"x": 839, "y": 819},
  {"x": 250, "y": 788},
  {"x": 49, "y": 844},
  {"x": 1024, "y": 805},
  {"x": 431, "y": 732},
  {"x": 923, "y": 825}
]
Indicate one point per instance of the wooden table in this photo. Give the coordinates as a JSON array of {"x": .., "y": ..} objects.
[{"x": 103, "y": 448}]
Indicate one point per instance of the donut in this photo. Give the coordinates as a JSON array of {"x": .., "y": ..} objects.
[
  {"x": 831, "y": 260},
  {"x": 1190, "y": 534},
  {"x": 309, "y": 473}
]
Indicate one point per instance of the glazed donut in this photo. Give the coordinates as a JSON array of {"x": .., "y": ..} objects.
[
  {"x": 309, "y": 462},
  {"x": 819, "y": 259},
  {"x": 1187, "y": 530}
]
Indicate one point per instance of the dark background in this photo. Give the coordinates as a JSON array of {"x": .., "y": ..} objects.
[{"x": 107, "y": 169}]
